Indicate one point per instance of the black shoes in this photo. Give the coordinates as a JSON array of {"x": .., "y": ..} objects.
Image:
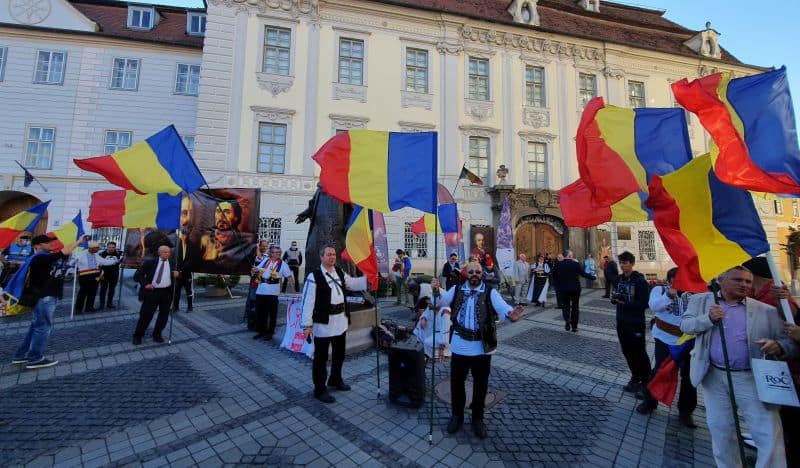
[
  {"x": 574, "y": 329},
  {"x": 341, "y": 387},
  {"x": 137, "y": 340},
  {"x": 325, "y": 397},
  {"x": 41, "y": 363},
  {"x": 480, "y": 428},
  {"x": 158, "y": 339},
  {"x": 566, "y": 326},
  {"x": 632, "y": 387},
  {"x": 646, "y": 406},
  {"x": 455, "y": 424},
  {"x": 687, "y": 420},
  {"x": 258, "y": 337},
  {"x": 110, "y": 306}
]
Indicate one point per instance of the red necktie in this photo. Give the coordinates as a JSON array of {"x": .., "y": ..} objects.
[{"x": 160, "y": 272}]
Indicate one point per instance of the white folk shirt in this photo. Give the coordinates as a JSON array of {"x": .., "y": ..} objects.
[
  {"x": 92, "y": 261},
  {"x": 469, "y": 317},
  {"x": 265, "y": 289},
  {"x": 337, "y": 324},
  {"x": 166, "y": 276}
]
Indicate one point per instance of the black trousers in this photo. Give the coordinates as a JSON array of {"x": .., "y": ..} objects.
[
  {"x": 295, "y": 273},
  {"x": 319, "y": 370},
  {"x": 790, "y": 418},
  {"x": 687, "y": 398},
  {"x": 608, "y": 287},
  {"x": 569, "y": 307},
  {"x": 159, "y": 298},
  {"x": 87, "y": 292},
  {"x": 184, "y": 282},
  {"x": 107, "y": 287},
  {"x": 480, "y": 367},
  {"x": 266, "y": 314},
  {"x": 632, "y": 341}
]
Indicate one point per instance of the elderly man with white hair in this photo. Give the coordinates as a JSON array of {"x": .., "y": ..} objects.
[{"x": 88, "y": 263}]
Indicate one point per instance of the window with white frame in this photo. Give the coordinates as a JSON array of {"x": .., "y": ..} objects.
[
  {"x": 125, "y": 74},
  {"x": 537, "y": 165},
  {"x": 39, "y": 148},
  {"x": 187, "y": 79},
  {"x": 647, "y": 246},
  {"x": 478, "y": 79},
  {"x": 778, "y": 207},
  {"x": 188, "y": 141},
  {"x": 534, "y": 86},
  {"x": 50, "y": 67},
  {"x": 416, "y": 70},
  {"x": 351, "y": 61},
  {"x": 478, "y": 160},
  {"x": 108, "y": 234},
  {"x": 269, "y": 229},
  {"x": 636, "y": 95},
  {"x": 3, "y": 55},
  {"x": 116, "y": 140},
  {"x": 795, "y": 209},
  {"x": 277, "y": 50},
  {"x": 140, "y": 17},
  {"x": 587, "y": 88},
  {"x": 271, "y": 147},
  {"x": 415, "y": 246},
  {"x": 196, "y": 24}
]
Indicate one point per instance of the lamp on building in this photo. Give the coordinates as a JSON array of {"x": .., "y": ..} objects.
[{"x": 502, "y": 173}]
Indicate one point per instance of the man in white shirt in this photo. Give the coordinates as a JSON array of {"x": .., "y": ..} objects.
[
  {"x": 473, "y": 341},
  {"x": 325, "y": 317},
  {"x": 270, "y": 272},
  {"x": 155, "y": 278},
  {"x": 89, "y": 263}
]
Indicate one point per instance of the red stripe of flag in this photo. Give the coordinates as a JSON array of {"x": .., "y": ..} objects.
[
  {"x": 108, "y": 168},
  {"x": 107, "y": 208},
  {"x": 334, "y": 160}
]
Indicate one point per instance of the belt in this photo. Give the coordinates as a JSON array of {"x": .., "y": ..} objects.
[
  {"x": 666, "y": 327},
  {"x": 732, "y": 370},
  {"x": 88, "y": 272},
  {"x": 466, "y": 334},
  {"x": 336, "y": 309}
]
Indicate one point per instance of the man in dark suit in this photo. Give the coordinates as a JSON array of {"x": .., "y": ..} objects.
[
  {"x": 155, "y": 278},
  {"x": 566, "y": 279},
  {"x": 611, "y": 273}
]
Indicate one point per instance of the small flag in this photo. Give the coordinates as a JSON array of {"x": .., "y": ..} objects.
[
  {"x": 360, "y": 247},
  {"x": 22, "y": 221},
  {"x": 29, "y": 178},
  {"x": 447, "y": 218},
  {"x": 69, "y": 233},
  {"x": 469, "y": 175},
  {"x": 121, "y": 208}
]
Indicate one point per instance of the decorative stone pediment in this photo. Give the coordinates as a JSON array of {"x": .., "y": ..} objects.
[
  {"x": 535, "y": 117},
  {"x": 351, "y": 92},
  {"x": 477, "y": 130},
  {"x": 530, "y": 43},
  {"x": 479, "y": 110},
  {"x": 539, "y": 137},
  {"x": 412, "y": 99},
  {"x": 347, "y": 122},
  {"x": 611, "y": 71},
  {"x": 416, "y": 126},
  {"x": 449, "y": 48},
  {"x": 275, "y": 84},
  {"x": 272, "y": 114}
]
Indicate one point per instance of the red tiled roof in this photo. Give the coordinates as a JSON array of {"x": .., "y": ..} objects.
[{"x": 112, "y": 17}]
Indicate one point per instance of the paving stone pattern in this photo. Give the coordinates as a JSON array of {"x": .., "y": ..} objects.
[
  {"x": 595, "y": 319},
  {"x": 572, "y": 346}
]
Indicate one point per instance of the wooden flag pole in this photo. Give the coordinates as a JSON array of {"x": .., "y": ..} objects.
[
  {"x": 784, "y": 303},
  {"x": 74, "y": 289},
  {"x": 121, "y": 270}
]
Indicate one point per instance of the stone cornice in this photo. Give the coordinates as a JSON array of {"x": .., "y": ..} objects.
[
  {"x": 510, "y": 40},
  {"x": 295, "y": 8}
]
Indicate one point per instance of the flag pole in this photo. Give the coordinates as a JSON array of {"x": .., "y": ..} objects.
[
  {"x": 784, "y": 303},
  {"x": 714, "y": 287},
  {"x": 35, "y": 179},
  {"x": 173, "y": 280},
  {"x": 377, "y": 345},
  {"x": 121, "y": 269},
  {"x": 74, "y": 289},
  {"x": 433, "y": 308}
]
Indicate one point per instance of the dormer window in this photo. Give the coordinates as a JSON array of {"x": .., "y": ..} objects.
[
  {"x": 524, "y": 11},
  {"x": 706, "y": 43},
  {"x": 141, "y": 17},
  {"x": 590, "y": 5},
  {"x": 196, "y": 24}
]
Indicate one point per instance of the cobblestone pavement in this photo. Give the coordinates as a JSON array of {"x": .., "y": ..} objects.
[{"x": 216, "y": 397}]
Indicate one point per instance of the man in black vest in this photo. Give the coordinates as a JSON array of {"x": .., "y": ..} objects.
[
  {"x": 155, "y": 278},
  {"x": 110, "y": 276},
  {"x": 294, "y": 258},
  {"x": 473, "y": 340},
  {"x": 325, "y": 317}
]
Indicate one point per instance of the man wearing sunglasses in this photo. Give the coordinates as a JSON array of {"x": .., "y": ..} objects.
[{"x": 473, "y": 340}]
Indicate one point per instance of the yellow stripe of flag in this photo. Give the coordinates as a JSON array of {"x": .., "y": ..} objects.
[
  {"x": 140, "y": 164},
  {"x": 616, "y": 126},
  {"x": 369, "y": 167},
  {"x": 140, "y": 210}
]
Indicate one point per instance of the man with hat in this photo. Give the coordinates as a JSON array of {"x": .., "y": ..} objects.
[
  {"x": 294, "y": 258},
  {"x": 88, "y": 265},
  {"x": 39, "y": 289}
]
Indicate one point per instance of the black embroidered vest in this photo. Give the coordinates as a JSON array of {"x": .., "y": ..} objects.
[
  {"x": 487, "y": 329},
  {"x": 322, "y": 302}
]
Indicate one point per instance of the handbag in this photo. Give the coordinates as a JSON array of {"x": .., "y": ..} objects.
[{"x": 774, "y": 382}]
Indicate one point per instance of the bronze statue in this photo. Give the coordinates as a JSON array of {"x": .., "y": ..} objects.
[{"x": 329, "y": 219}]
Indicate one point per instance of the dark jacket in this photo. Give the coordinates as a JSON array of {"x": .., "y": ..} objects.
[
  {"x": 631, "y": 295},
  {"x": 611, "y": 272},
  {"x": 566, "y": 275},
  {"x": 146, "y": 274}
]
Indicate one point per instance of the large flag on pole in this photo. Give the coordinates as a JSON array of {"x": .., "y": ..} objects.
[
  {"x": 707, "y": 226},
  {"x": 159, "y": 164},
  {"x": 752, "y": 122},
  {"x": 383, "y": 171},
  {"x": 125, "y": 208},
  {"x": 581, "y": 209},
  {"x": 360, "y": 247},
  {"x": 23, "y": 221},
  {"x": 447, "y": 218}
]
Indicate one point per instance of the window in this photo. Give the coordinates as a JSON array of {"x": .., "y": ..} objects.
[
  {"x": 795, "y": 209},
  {"x": 636, "y": 97},
  {"x": 351, "y": 61},
  {"x": 39, "y": 150},
  {"x": 3, "y": 55},
  {"x": 269, "y": 229},
  {"x": 537, "y": 165},
  {"x": 647, "y": 246},
  {"x": 116, "y": 140},
  {"x": 417, "y": 70},
  {"x": 125, "y": 74},
  {"x": 534, "y": 86},
  {"x": 50, "y": 67},
  {"x": 108, "y": 234},
  {"x": 478, "y": 161},
  {"x": 778, "y": 207},
  {"x": 140, "y": 17},
  {"x": 187, "y": 80},
  {"x": 587, "y": 88},
  {"x": 277, "y": 45},
  {"x": 415, "y": 246},
  {"x": 188, "y": 141},
  {"x": 479, "y": 79},
  {"x": 623, "y": 233},
  {"x": 196, "y": 24},
  {"x": 271, "y": 147}
]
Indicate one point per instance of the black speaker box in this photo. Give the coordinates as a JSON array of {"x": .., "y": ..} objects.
[{"x": 407, "y": 373}]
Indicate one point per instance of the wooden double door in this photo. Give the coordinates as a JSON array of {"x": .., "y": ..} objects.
[{"x": 532, "y": 239}]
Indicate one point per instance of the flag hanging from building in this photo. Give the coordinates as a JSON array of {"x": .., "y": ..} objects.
[
  {"x": 707, "y": 226},
  {"x": 69, "y": 233},
  {"x": 128, "y": 209},
  {"x": 29, "y": 178},
  {"x": 160, "y": 164},
  {"x": 447, "y": 218},
  {"x": 581, "y": 209},
  {"x": 470, "y": 176},
  {"x": 752, "y": 122},
  {"x": 360, "y": 247},
  {"x": 620, "y": 149},
  {"x": 383, "y": 171},
  {"x": 23, "y": 221}
]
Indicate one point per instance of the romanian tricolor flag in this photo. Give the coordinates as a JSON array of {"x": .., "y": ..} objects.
[
  {"x": 383, "y": 171},
  {"x": 160, "y": 164},
  {"x": 360, "y": 247},
  {"x": 620, "y": 149},
  {"x": 580, "y": 209},
  {"x": 752, "y": 122},
  {"x": 68, "y": 233},
  {"x": 707, "y": 226},
  {"x": 448, "y": 216},
  {"x": 121, "y": 208},
  {"x": 22, "y": 221},
  {"x": 470, "y": 176}
]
